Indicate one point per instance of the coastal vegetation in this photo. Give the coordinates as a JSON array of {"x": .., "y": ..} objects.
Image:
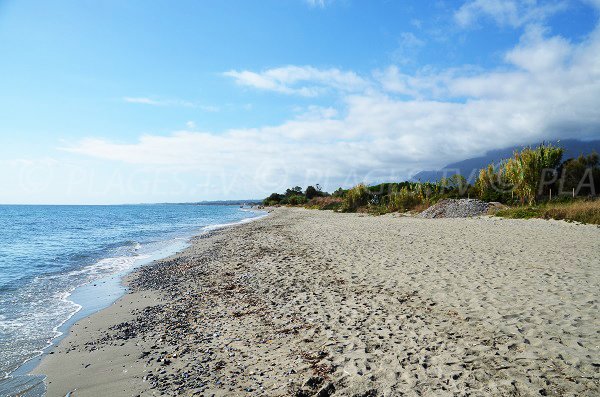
[
  {"x": 534, "y": 182},
  {"x": 584, "y": 211},
  {"x": 525, "y": 175}
]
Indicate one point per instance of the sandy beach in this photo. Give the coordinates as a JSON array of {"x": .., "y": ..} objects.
[{"x": 315, "y": 303}]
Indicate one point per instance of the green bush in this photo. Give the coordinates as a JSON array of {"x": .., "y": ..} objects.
[
  {"x": 584, "y": 211},
  {"x": 356, "y": 197},
  {"x": 312, "y": 192},
  {"x": 581, "y": 175},
  {"x": 403, "y": 200},
  {"x": 325, "y": 203},
  {"x": 273, "y": 199},
  {"x": 339, "y": 192},
  {"x": 295, "y": 200},
  {"x": 455, "y": 186}
]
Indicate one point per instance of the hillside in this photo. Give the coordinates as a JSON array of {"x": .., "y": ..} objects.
[{"x": 469, "y": 168}]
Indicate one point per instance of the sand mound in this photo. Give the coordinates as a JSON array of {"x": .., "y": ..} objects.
[{"x": 456, "y": 208}]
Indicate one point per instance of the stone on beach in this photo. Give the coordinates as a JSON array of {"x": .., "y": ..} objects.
[{"x": 456, "y": 208}]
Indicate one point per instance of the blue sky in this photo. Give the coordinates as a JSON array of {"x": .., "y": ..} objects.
[{"x": 152, "y": 101}]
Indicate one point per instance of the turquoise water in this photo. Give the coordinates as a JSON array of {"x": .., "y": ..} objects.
[{"x": 49, "y": 253}]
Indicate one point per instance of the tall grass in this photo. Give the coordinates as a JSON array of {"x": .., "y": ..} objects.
[
  {"x": 492, "y": 184},
  {"x": 403, "y": 200},
  {"x": 522, "y": 175},
  {"x": 358, "y": 196},
  {"x": 525, "y": 170},
  {"x": 584, "y": 211}
]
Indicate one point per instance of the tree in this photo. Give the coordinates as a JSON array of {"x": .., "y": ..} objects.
[
  {"x": 295, "y": 191},
  {"x": 311, "y": 192},
  {"x": 581, "y": 174},
  {"x": 314, "y": 191},
  {"x": 339, "y": 192},
  {"x": 274, "y": 198},
  {"x": 455, "y": 182}
]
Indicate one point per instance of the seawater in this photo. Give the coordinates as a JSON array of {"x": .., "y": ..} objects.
[{"x": 51, "y": 257}]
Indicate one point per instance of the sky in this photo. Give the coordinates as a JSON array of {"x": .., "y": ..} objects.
[{"x": 107, "y": 102}]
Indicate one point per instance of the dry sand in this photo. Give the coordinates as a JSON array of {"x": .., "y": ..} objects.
[{"x": 315, "y": 303}]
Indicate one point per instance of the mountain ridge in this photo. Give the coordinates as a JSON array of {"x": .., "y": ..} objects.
[{"x": 469, "y": 168}]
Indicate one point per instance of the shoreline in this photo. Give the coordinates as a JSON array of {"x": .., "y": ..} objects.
[
  {"x": 92, "y": 298},
  {"x": 314, "y": 302}
]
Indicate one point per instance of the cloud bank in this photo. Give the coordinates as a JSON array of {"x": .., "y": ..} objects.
[{"x": 391, "y": 124}]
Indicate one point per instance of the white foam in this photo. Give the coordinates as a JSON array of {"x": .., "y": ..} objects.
[
  {"x": 224, "y": 225},
  {"x": 109, "y": 265}
]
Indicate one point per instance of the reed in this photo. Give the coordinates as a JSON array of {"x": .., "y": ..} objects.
[
  {"x": 525, "y": 170},
  {"x": 403, "y": 200},
  {"x": 521, "y": 177},
  {"x": 358, "y": 196}
]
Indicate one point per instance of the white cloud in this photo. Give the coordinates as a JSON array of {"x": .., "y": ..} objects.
[
  {"x": 512, "y": 13},
  {"x": 316, "y": 3},
  {"x": 536, "y": 54},
  {"x": 300, "y": 80},
  {"x": 316, "y": 112},
  {"x": 410, "y": 40},
  {"x": 408, "y": 48},
  {"x": 390, "y": 124},
  {"x": 142, "y": 100},
  {"x": 169, "y": 103}
]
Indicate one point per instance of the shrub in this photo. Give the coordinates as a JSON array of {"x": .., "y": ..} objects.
[
  {"x": 356, "y": 197},
  {"x": 273, "y": 199},
  {"x": 584, "y": 211},
  {"x": 295, "y": 191},
  {"x": 581, "y": 175},
  {"x": 325, "y": 203},
  {"x": 403, "y": 200},
  {"x": 294, "y": 200},
  {"x": 295, "y": 196},
  {"x": 339, "y": 192},
  {"x": 455, "y": 186},
  {"x": 312, "y": 192}
]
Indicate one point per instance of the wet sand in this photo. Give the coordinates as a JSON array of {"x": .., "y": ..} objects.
[{"x": 310, "y": 303}]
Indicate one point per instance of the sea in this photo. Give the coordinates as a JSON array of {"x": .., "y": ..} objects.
[{"x": 62, "y": 263}]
